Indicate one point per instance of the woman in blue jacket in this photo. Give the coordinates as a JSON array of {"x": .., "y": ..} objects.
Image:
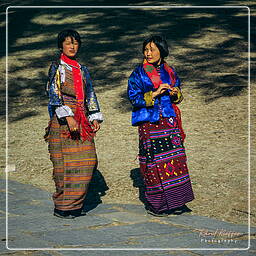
[{"x": 154, "y": 91}]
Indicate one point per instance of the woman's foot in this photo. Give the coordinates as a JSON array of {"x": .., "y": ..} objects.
[
  {"x": 157, "y": 214},
  {"x": 83, "y": 212},
  {"x": 180, "y": 210},
  {"x": 63, "y": 214},
  {"x": 77, "y": 213}
]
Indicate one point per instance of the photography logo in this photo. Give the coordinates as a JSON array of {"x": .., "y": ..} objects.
[{"x": 218, "y": 236}]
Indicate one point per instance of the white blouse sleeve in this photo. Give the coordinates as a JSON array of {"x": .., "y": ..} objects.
[
  {"x": 63, "y": 111},
  {"x": 96, "y": 116}
]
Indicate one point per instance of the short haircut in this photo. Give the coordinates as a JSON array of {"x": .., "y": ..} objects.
[
  {"x": 160, "y": 42},
  {"x": 68, "y": 33}
]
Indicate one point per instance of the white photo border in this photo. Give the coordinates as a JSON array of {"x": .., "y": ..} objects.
[{"x": 249, "y": 125}]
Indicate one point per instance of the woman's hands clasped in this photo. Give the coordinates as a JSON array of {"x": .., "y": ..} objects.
[{"x": 163, "y": 88}]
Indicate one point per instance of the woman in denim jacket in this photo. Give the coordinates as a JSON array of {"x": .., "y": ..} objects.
[{"x": 75, "y": 117}]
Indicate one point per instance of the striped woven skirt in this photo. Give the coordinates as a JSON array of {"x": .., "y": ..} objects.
[
  {"x": 163, "y": 165},
  {"x": 73, "y": 165}
]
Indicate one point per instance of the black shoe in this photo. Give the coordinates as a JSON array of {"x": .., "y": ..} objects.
[
  {"x": 77, "y": 213},
  {"x": 157, "y": 214},
  {"x": 83, "y": 213},
  {"x": 181, "y": 209},
  {"x": 186, "y": 209},
  {"x": 62, "y": 214}
]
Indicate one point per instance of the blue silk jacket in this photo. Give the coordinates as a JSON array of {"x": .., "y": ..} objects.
[{"x": 138, "y": 84}]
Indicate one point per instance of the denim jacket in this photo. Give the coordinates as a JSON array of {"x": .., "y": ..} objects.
[
  {"x": 139, "y": 84},
  {"x": 55, "y": 99}
]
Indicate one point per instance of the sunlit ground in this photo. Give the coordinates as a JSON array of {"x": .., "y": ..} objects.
[{"x": 208, "y": 50}]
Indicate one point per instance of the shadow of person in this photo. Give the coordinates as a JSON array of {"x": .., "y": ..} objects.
[
  {"x": 138, "y": 182},
  {"x": 97, "y": 188}
]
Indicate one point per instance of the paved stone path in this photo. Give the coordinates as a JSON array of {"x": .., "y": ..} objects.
[{"x": 125, "y": 229}]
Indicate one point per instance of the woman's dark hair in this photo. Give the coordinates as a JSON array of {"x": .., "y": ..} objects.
[
  {"x": 161, "y": 44},
  {"x": 68, "y": 33}
]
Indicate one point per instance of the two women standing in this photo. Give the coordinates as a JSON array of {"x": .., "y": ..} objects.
[{"x": 154, "y": 91}]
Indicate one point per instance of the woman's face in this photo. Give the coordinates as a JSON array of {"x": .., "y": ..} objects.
[
  {"x": 70, "y": 47},
  {"x": 151, "y": 53}
]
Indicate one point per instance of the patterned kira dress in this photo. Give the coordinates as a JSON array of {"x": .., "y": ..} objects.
[
  {"x": 73, "y": 159},
  {"x": 162, "y": 156}
]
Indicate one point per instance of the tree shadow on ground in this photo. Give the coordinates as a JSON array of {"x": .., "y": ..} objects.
[
  {"x": 112, "y": 39},
  {"x": 138, "y": 182},
  {"x": 22, "y": 99},
  {"x": 97, "y": 189}
]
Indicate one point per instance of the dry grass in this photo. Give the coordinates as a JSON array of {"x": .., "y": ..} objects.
[{"x": 210, "y": 61}]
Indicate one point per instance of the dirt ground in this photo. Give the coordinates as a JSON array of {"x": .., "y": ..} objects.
[{"x": 209, "y": 53}]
